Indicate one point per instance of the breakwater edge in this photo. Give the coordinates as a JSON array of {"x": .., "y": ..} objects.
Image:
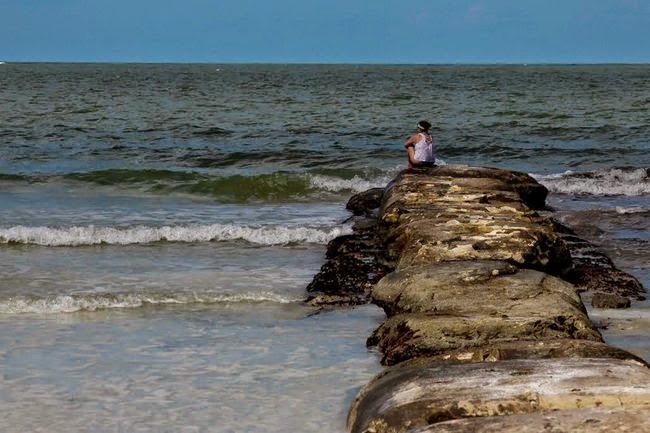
[{"x": 485, "y": 325}]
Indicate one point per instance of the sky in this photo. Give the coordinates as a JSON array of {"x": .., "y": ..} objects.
[{"x": 326, "y": 31}]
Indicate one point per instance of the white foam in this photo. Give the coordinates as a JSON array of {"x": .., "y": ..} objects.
[
  {"x": 631, "y": 210},
  {"x": 91, "y": 235},
  {"x": 614, "y": 181},
  {"x": 543, "y": 177},
  {"x": 356, "y": 184},
  {"x": 94, "y": 302}
]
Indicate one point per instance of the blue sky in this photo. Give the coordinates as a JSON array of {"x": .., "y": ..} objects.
[{"x": 339, "y": 31}]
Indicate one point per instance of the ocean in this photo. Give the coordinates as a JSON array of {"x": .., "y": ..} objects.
[{"x": 159, "y": 224}]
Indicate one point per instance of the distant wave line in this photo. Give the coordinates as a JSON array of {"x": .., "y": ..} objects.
[{"x": 278, "y": 186}]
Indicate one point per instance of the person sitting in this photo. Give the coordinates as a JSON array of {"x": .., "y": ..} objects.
[{"x": 420, "y": 148}]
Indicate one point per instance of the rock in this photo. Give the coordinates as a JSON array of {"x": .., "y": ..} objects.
[
  {"x": 360, "y": 242},
  {"x": 524, "y": 243},
  {"x": 485, "y": 287},
  {"x": 460, "y": 305},
  {"x": 361, "y": 224},
  {"x": 407, "y": 336},
  {"x": 594, "y": 277},
  {"x": 609, "y": 300},
  {"x": 365, "y": 202},
  {"x": 593, "y": 420},
  {"x": 350, "y": 271},
  {"x": 432, "y": 219},
  {"x": 593, "y": 271},
  {"x": 345, "y": 279},
  {"x": 418, "y": 393},
  {"x": 338, "y": 299},
  {"x": 531, "y": 349},
  {"x": 532, "y": 193}
]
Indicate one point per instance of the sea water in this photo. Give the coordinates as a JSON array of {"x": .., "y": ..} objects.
[{"x": 159, "y": 224}]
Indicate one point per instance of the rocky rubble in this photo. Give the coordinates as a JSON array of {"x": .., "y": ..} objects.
[{"x": 595, "y": 275}]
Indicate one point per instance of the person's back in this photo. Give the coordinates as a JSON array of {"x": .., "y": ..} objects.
[
  {"x": 420, "y": 147},
  {"x": 424, "y": 150}
]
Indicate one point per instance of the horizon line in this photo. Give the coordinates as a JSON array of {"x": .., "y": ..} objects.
[{"x": 550, "y": 63}]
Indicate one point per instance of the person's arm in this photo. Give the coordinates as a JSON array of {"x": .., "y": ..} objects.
[
  {"x": 410, "y": 154},
  {"x": 411, "y": 141},
  {"x": 410, "y": 151}
]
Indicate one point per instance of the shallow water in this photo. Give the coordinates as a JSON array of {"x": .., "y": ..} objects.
[
  {"x": 627, "y": 329},
  {"x": 159, "y": 223},
  {"x": 619, "y": 226},
  {"x": 258, "y": 367}
]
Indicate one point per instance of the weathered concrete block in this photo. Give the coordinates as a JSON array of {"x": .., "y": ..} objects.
[{"x": 423, "y": 392}]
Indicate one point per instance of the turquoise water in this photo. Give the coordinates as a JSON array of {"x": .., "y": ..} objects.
[{"x": 159, "y": 224}]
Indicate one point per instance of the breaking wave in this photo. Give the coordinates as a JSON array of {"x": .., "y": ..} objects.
[
  {"x": 356, "y": 184},
  {"x": 91, "y": 235},
  {"x": 269, "y": 187},
  {"x": 102, "y": 301},
  {"x": 614, "y": 181}
]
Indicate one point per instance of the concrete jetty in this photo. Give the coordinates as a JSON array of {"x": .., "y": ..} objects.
[{"x": 485, "y": 328}]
